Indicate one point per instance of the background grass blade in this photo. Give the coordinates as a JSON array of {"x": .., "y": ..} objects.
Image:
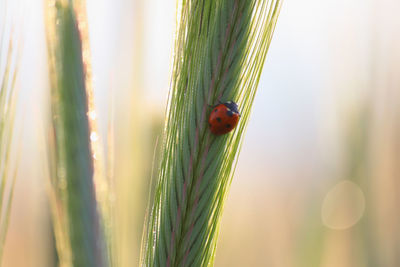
[
  {"x": 8, "y": 165},
  {"x": 9, "y": 157},
  {"x": 75, "y": 208},
  {"x": 220, "y": 50}
]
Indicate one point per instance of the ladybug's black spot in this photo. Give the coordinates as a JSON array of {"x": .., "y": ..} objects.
[
  {"x": 215, "y": 110},
  {"x": 228, "y": 125},
  {"x": 209, "y": 125},
  {"x": 218, "y": 119},
  {"x": 229, "y": 113}
]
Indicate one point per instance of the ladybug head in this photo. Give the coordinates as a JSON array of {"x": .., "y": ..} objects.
[{"x": 232, "y": 106}]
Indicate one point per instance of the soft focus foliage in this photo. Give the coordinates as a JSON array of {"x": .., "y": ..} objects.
[
  {"x": 78, "y": 229},
  {"x": 9, "y": 61}
]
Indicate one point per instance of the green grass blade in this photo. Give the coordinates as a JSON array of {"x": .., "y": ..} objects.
[
  {"x": 9, "y": 156},
  {"x": 220, "y": 50},
  {"x": 73, "y": 182}
]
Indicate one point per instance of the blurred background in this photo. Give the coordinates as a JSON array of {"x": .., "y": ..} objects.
[{"x": 318, "y": 178}]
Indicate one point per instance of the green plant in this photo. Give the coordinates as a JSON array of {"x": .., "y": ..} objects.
[
  {"x": 220, "y": 50},
  {"x": 8, "y": 100},
  {"x": 76, "y": 213}
]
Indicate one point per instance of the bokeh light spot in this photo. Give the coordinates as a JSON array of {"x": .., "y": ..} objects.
[
  {"x": 343, "y": 206},
  {"x": 92, "y": 115},
  {"x": 94, "y": 137}
]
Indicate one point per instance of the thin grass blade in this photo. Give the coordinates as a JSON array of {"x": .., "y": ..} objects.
[{"x": 9, "y": 152}]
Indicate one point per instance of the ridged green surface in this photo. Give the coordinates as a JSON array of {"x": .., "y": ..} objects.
[{"x": 220, "y": 50}]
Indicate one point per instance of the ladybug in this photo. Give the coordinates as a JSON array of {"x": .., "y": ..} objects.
[{"x": 223, "y": 118}]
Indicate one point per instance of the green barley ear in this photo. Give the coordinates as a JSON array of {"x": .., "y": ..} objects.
[
  {"x": 220, "y": 51},
  {"x": 77, "y": 221},
  {"x": 9, "y": 62}
]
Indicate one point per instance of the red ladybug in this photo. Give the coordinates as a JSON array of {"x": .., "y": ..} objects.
[{"x": 223, "y": 118}]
